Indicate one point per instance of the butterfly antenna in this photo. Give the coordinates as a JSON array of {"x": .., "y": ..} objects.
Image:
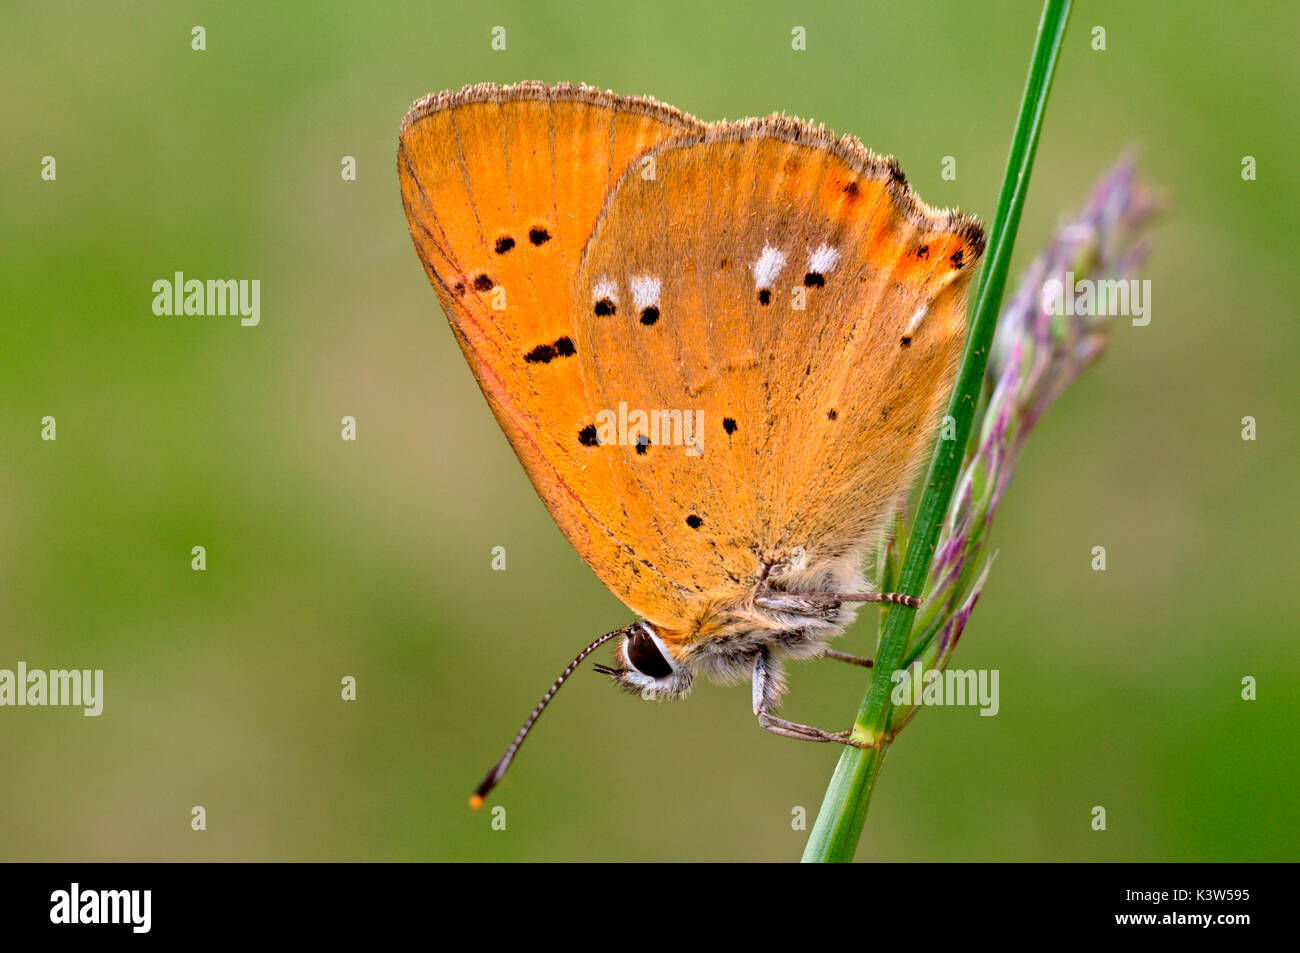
[{"x": 499, "y": 769}]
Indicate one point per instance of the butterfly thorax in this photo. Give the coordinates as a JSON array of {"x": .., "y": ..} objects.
[{"x": 781, "y": 613}]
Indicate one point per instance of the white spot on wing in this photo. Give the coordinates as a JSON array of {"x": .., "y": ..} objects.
[
  {"x": 823, "y": 260},
  {"x": 645, "y": 291},
  {"x": 916, "y": 320},
  {"x": 767, "y": 267},
  {"x": 606, "y": 287}
]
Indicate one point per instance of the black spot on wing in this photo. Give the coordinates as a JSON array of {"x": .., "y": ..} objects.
[
  {"x": 504, "y": 244},
  {"x": 587, "y": 436},
  {"x": 545, "y": 353},
  {"x": 694, "y": 522},
  {"x": 605, "y": 307},
  {"x": 483, "y": 283},
  {"x": 538, "y": 235},
  {"x": 649, "y": 315},
  {"x": 729, "y": 425}
]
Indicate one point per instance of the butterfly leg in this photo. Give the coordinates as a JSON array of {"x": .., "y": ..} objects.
[
  {"x": 768, "y": 686},
  {"x": 897, "y": 598},
  {"x": 806, "y": 602},
  {"x": 846, "y": 657}
]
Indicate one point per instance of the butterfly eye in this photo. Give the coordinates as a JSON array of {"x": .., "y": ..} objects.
[{"x": 644, "y": 655}]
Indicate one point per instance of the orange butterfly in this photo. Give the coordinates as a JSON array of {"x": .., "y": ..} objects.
[{"x": 720, "y": 352}]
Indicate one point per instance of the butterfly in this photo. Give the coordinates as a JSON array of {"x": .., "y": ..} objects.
[{"x": 720, "y": 352}]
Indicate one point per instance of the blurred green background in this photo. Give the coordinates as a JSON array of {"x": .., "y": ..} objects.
[{"x": 372, "y": 558}]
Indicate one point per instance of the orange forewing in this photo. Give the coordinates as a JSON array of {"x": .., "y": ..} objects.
[{"x": 532, "y": 164}]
